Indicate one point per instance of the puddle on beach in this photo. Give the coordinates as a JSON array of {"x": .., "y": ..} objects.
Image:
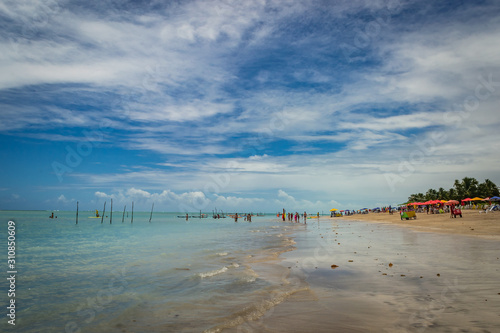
[{"x": 388, "y": 279}]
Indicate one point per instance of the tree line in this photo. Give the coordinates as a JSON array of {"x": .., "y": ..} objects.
[{"x": 466, "y": 188}]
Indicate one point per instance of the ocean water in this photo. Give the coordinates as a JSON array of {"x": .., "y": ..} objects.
[{"x": 170, "y": 275}]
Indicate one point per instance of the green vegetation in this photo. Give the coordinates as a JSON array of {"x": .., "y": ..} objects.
[{"x": 467, "y": 188}]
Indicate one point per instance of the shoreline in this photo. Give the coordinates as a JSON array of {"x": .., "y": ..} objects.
[{"x": 473, "y": 223}]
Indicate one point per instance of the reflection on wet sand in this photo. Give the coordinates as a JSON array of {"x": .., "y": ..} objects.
[{"x": 387, "y": 279}]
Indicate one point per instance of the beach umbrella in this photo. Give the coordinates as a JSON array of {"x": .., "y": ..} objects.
[
  {"x": 476, "y": 199},
  {"x": 333, "y": 210},
  {"x": 452, "y": 202},
  {"x": 495, "y": 198}
]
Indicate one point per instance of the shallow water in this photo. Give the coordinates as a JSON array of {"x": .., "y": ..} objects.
[
  {"x": 388, "y": 279},
  {"x": 165, "y": 276}
]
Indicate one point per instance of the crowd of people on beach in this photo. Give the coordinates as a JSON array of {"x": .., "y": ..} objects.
[{"x": 293, "y": 217}]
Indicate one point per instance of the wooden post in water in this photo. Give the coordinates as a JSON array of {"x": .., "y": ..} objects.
[
  {"x": 103, "y": 212},
  {"x": 132, "y": 218},
  {"x": 111, "y": 214},
  {"x": 123, "y": 217},
  {"x": 77, "y": 212},
  {"x": 150, "y": 216}
]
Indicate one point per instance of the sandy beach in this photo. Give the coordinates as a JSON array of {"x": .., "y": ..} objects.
[
  {"x": 424, "y": 275},
  {"x": 472, "y": 223}
]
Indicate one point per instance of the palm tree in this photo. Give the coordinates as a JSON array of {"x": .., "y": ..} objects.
[
  {"x": 418, "y": 197},
  {"x": 431, "y": 194},
  {"x": 467, "y": 188},
  {"x": 459, "y": 190},
  {"x": 452, "y": 194},
  {"x": 442, "y": 194},
  {"x": 488, "y": 189},
  {"x": 470, "y": 186}
]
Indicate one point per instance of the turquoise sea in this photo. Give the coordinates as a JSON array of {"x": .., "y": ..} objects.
[{"x": 170, "y": 275}]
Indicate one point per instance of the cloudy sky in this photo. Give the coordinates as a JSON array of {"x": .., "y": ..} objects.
[{"x": 245, "y": 105}]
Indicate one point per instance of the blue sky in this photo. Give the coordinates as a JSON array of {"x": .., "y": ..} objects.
[{"x": 245, "y": 106}]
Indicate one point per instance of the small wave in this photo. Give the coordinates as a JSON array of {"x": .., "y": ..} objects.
[
  {"x": 249, "y": 279},
  {"x": 213, "y": 273},
  {"x": 217, "y": 271},
  {"x": 222, "y": 254}
]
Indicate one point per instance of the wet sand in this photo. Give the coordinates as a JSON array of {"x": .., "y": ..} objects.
[
  {"x": 472, "y": 223},
  {"x": 390, "y": 278}
]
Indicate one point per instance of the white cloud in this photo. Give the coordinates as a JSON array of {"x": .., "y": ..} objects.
[
  {"x": 285, "y": 196},
  {"x": 100, "y": 194},
  {"x": 138, "y": 193}
]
